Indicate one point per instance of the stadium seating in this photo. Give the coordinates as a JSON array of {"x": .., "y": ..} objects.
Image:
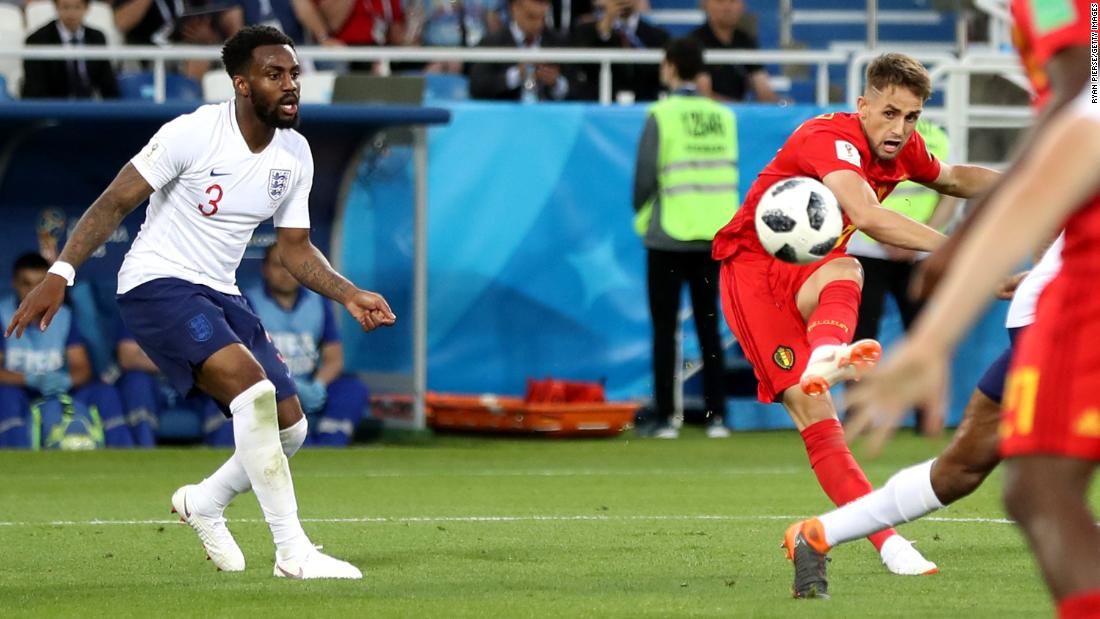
[
  {"x": 139, "y": 85},
  {"x": 317, "y": 86},
  {"x": 100, "y": 16},
  {"x": 446, "y": 87},
  {"x": 11, "y": 36}
]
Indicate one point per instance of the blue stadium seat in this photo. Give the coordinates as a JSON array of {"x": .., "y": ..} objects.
[
  {"x": 4, "y": 96},
  {"x": 140, "y": 86},
  {"x": 446, "y": 87},
  {"x": 178, "y": 425}
]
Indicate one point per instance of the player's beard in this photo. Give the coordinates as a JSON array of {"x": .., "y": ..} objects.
[{"x": 269, "y": 114}]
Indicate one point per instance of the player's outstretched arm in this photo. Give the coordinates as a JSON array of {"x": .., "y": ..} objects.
[
  {"x": 867, "y": 214},
  {"x": 1068, "y": 72},
  {"x": 1059, "y": 175},
  {"x": 122, "y": 196},
  {"x": 310, "y": 267},
  {"x": 964, "y": 181}
]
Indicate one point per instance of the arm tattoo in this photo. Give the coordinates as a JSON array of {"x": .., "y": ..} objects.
[
  {"x": 122, "y": 196},
  {"x": 310, "y": 267},
  {"x": 94, "y": 228}
]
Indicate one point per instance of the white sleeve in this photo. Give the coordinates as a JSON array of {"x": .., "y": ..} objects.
[
  {"x": 1087, "y": 103},
  {"x": 169, "y": 153},
  {"x": 294, "y": 211}
]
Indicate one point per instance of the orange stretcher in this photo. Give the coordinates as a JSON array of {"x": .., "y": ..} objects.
[{"x": 516, "y": 415}]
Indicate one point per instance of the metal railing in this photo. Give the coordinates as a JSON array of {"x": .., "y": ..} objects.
[
  {"x": 160, "y": 56},
  {"x": 952, "y": 74}
]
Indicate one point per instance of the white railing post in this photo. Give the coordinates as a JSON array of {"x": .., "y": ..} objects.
[
  {"x": 160, "y": 81},
  {"x": 872, "y": 24},
  {"x": 605, "y": 82},
  {"x": 822, "y": 85}
]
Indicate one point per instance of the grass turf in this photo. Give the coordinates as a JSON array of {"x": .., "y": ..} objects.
[{"x": 471, "y": 527}]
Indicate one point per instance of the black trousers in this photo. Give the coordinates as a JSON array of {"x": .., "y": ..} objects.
[
  {"x": 882, "y": 277},
  {"x": 667, "y": 272}
]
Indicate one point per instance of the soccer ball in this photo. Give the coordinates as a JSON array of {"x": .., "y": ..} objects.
[{"x": 798, "y": 220}]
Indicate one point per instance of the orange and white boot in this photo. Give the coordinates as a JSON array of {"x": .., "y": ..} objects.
[{"x": 835, "y": 363}]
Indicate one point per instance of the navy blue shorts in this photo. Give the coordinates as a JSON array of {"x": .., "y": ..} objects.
[
  {"x": 180, "y": 324},
  {"x": 992, "y": 383}
]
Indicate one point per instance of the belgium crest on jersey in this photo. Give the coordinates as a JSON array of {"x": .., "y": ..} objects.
[
  {"x": 783, "y": 357},
  {"x": 277, "y": 183}
]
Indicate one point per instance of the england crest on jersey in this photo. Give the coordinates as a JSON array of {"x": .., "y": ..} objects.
[{"x": 277, "y": 183}]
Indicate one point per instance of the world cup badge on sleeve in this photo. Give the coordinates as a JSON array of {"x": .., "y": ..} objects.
[{"x": 277, "y": 183}]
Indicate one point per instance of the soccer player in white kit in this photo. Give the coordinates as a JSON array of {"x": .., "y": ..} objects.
[
  {"x": 962, "y": 466},
  {"x": 211, "y": 178}
]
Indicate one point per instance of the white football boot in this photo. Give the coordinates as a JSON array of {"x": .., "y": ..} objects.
[
  {"x": 900, "y": 557},
  {"x": 316, "y": 565},
  {"x": 220, "y": 546},
  {"x": 833, "y": 364}
]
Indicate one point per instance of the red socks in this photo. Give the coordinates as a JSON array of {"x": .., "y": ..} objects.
[
  {"x": 834, "y": 320},
  {"x": 837, "y": 471},
  {"x": 1084, "y": 605}
]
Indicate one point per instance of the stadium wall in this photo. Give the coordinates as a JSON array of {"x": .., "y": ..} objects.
[{"x": 534, "y": 268}]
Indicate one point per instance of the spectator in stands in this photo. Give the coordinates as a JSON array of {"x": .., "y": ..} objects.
[
  {"x": 621, "y": 26},
  {"x": 444, "y": 23},
  {"x": 365, "y": 22},
  {"x": 730, "y": 82},
  {"x": 167, "y": 22},
  {"x": 68, "y": 79},
  {"x": 49, "y": 364},
  {"x": 304, "y": 330},
  {"x": 525, "y": 82},
  {"x": 294, "y": 18},
  {"x": 567, "y": 15}
]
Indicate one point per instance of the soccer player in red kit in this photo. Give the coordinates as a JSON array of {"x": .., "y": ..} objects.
[
  {"x": 1053, "y": 39},
  {"x": 1051, "y": 426},
  {"x": 795, "y": 323}
]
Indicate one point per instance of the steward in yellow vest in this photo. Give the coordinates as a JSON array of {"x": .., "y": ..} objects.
[{"x": 685, "y": 190}]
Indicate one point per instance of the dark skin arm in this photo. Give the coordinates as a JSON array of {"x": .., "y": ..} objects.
[
  {"x": 332, "y": 363},
  {"x": 121, "y": 197},
  {"x": 80, "y": 367},
  {"x": 1068, "y": 71},
  {"x": 310, "y": 267}
]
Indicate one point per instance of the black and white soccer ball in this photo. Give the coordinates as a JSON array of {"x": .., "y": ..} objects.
[{"x": 798, "y": 220}]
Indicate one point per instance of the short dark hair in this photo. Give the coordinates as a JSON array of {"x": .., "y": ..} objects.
[
  {"x": 237, "y": 51},
  {"x": 895, "y": 69},
  {"x": 30, "y": 261},
  {"x": 685, "y": 54}
]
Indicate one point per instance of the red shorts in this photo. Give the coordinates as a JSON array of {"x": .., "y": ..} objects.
[
  {"x": 1052, "y": 395},
  {"x": 759, "y": 301}
]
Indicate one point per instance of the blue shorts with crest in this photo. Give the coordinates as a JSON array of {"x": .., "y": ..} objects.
[{"x": 180, "y": 324}]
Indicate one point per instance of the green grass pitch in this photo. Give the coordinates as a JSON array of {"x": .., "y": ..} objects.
[{"x": 472, "y": 527}]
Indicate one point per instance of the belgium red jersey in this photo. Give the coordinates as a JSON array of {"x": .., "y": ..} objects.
[
  {"x": 1041, "y": 29},
  {"x": 821, "y": 145}
]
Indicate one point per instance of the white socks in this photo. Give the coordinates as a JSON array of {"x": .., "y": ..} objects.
[
  {"x": 230, "y": 480},
  {"x": 907, "y": 496},
  {"x": 260, "y": 462}
]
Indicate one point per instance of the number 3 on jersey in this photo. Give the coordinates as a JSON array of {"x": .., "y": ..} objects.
[{"x": 211, "y": 205}]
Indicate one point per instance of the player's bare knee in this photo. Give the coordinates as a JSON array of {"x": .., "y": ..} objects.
[
  {"x": 804, "y": 410},
  {"x": 290, "y": 412},
  {"x": 953, "y": 479}
]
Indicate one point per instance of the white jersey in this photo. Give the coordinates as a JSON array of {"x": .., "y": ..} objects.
[
  {"x": 1021, "y": 312},
  {"x": 211, "y": 192}
]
